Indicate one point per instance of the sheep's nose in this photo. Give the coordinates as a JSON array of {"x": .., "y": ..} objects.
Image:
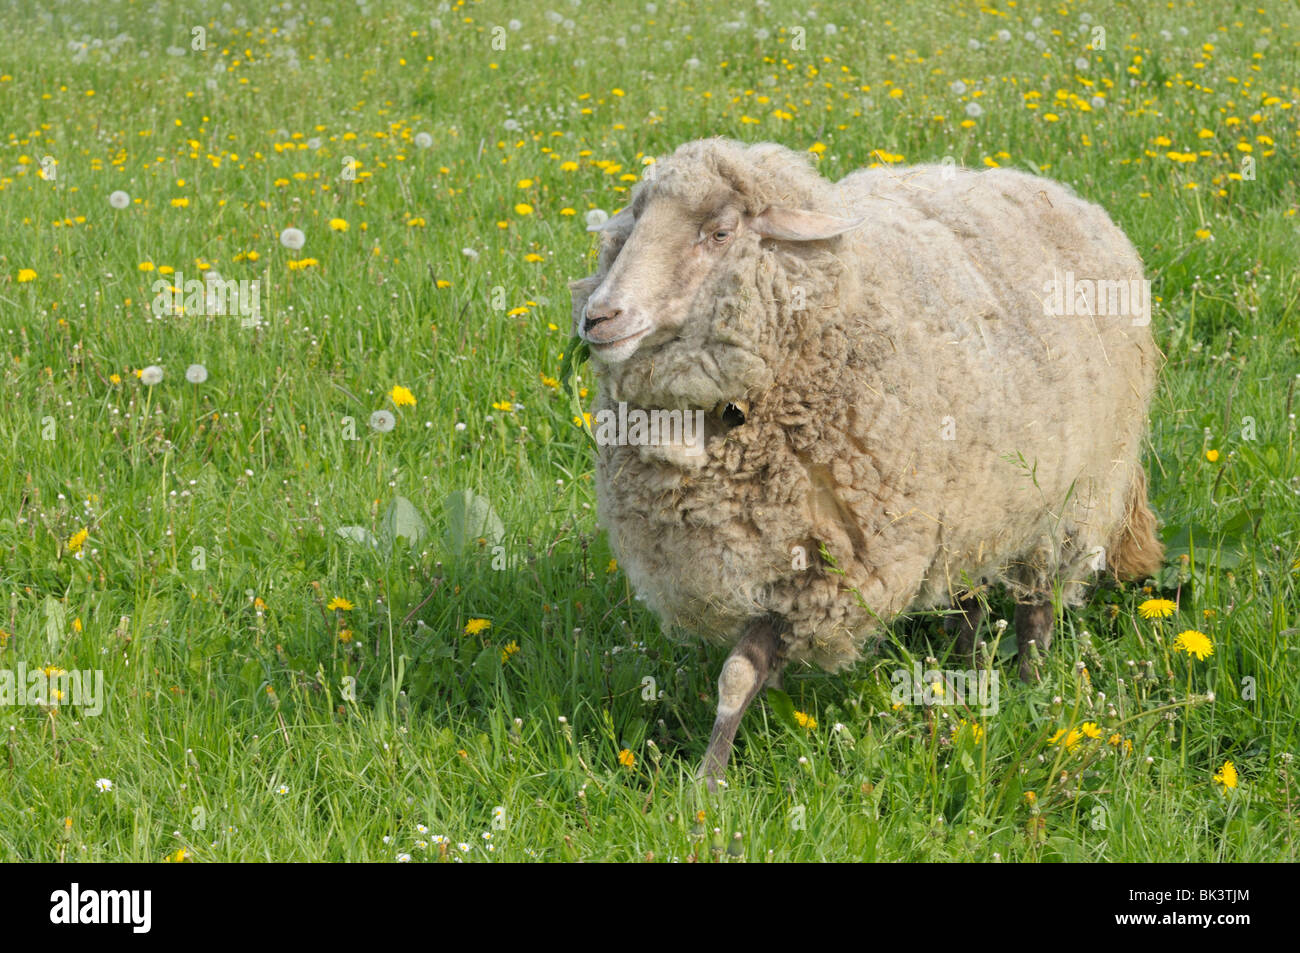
[{"x": 595, "y": 316}]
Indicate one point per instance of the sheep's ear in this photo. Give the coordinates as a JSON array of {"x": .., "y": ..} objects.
[
  {"x": 622, "y": 221},
  {"x": 794, "y": 225}
]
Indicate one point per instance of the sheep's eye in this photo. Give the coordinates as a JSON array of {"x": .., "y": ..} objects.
[{"x": 721, "y": 235}]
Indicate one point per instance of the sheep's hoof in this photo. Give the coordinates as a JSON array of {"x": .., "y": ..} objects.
[{"x": 711, "y": 778}]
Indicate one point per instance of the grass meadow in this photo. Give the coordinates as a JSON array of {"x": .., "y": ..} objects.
[{"x": 330, "y": 634}]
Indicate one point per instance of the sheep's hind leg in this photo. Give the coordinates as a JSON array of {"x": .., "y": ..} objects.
[
  {"x": 755, "y": 659},
  {"x": 1033, "y": 625},
  {"x": 966, "y": 622}
]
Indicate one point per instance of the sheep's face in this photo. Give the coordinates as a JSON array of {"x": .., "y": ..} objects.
[
  {"x": 672, "y": 249},
  {"x": 668, "y": 255}
]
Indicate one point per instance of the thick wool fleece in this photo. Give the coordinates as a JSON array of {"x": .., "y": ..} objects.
[{"x": 910, "y": 409}]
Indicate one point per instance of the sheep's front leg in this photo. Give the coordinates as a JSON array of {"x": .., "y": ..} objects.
[
  {"x": 1033, "y": 624},
  {"x": 755, "y": 659}
]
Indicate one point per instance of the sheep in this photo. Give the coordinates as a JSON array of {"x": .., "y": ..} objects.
[{"x": 900, "y": 405}]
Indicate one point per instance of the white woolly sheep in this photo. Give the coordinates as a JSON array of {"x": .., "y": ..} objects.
[{"x": 919, "y": 371}]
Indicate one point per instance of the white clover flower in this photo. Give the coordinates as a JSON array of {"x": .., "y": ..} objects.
[
  {"x": 151, "y": 375},
  {"x": 103, "y": 785},
  {"x": 196, "y": 373},
  {"x": 119, "y": 199},
  {"x": 382, "y": 421},
  {"x": 831, "y": 29},
  {"x": 293, "y": 238},
  {"x": 470, "y": 253},
  {"x": 692, "y": 63},
  {"x": 423, "y": 140},
  {"x": 460, "y": 425}
]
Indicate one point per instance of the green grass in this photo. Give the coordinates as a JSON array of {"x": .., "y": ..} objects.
[{"x": 226, "y": 729}]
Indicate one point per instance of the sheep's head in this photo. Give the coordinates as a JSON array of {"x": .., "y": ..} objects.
[{"x": 695, "y": 221}]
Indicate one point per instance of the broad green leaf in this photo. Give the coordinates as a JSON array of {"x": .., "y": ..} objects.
[
  {"x": 358, "y": 534},
  {"x": 470, "y": 517},
  {"x": 782, "y": 707},
  {"x": 404, "y": 520}
]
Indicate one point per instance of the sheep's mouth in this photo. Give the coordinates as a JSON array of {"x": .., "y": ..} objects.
[{"x": 626, "y": 339}]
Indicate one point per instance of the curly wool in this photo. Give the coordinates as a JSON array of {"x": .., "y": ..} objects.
[{"x": 915, "y": 425}]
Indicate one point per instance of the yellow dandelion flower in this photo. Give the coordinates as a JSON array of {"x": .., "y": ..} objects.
[
  {"x": 401, "y": 396},
  {"x": 508, "y": 650},
  {"x": 339, "y": 224},
  {"x": 627, "y": 759},
  {"x": 345, "y": 636},
  {"x": 79, "y": 537},
  {"x": 1211, "y": 455},
  {"x": 25, "y": 275},
  {"x": 1194, "y": 643},
  {"x": 1072, "y": 737},
  {"x": 1090, "y": 729},
  {"x": 805, "y": 721},
  {"x": 503, "y": 405},
  {"x": 523, "y": 208},
  {"x": 613, "y": 566},
  {"x": 338, "y": 602},
  {"x": 1157, "y": 609},
  {"x": 475, "y": 626},
  {"x": 1226, "y": 776}
]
